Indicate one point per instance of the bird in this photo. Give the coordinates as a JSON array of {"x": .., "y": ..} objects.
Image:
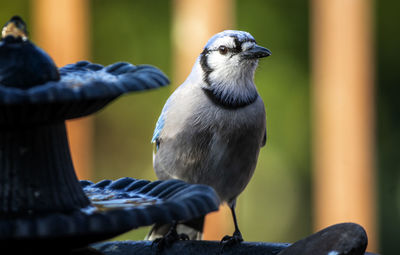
[{"x": 212, "y": 127}]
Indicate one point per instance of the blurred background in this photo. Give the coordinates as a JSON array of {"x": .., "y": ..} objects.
[{"x": 330, "y": 90}]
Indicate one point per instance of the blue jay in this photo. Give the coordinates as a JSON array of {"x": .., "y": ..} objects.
[{"x": 212, "y": 127}]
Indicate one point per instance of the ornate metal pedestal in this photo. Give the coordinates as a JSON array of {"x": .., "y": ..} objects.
[{"x": 42, "y": 203}]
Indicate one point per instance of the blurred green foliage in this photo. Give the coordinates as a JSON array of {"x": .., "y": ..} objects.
[
  {"x": 129, "y": 31},
  {"x": 137, "y": 32},
  {"x": 388, "y": 123},
  {"x": 276, "y": 206},
  {"x": 10, "y": 8}
]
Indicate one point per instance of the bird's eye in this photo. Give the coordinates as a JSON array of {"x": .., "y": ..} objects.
[{"x": 223, "y": 50}]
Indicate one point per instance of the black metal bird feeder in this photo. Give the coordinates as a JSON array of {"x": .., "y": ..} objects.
[{"x": 41, "y": 199}]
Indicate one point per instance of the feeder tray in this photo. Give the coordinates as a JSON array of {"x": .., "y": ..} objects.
[{"x": 41, "y": 199}]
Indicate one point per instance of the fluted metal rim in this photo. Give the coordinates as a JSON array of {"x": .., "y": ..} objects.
[
  {"x": 87, "y": 81},
  {"x": 177, "y": 201}
]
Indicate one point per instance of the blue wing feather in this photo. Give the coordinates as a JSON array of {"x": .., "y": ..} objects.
[
  {"x": 159, "y": 127},
  {"x": 161, "y": 119}
]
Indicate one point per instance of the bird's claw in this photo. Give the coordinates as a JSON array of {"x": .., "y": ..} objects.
[
  {"x": 236, "y": 238},
  {"x": 171, "y": 237}
]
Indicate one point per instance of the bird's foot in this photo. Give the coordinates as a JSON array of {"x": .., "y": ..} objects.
[
  {"x": 171, "y": 237},
  {"x": 236, "y": 238}
]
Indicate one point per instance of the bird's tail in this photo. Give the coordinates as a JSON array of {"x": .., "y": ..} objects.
[{"x": 192, "y": 228}]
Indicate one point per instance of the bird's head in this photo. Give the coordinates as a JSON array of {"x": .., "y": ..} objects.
[
  {"x": 228, "y": 62},
  {"x": 230, "y": 55},
  {"x": 16, "y": 28}
]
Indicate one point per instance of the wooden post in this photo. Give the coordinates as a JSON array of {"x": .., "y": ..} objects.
[
  {"x": 61, "y": 28},
  {"x": 194, "y": 22},
  {"x": 343, "y": 107}
]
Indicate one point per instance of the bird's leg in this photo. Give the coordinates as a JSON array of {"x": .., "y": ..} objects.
[
  {"x": 170, "y": 237},
  {"x": 237, "y": 236}
]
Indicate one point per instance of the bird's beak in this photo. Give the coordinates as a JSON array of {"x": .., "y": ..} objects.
[{"x": 256, "y": 52}]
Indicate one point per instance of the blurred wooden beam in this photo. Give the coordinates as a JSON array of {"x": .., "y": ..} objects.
[
  {"x": 194, "y": 22},
  {"x": 62, "y": 29},
  {"x": 343, "y": 105}
]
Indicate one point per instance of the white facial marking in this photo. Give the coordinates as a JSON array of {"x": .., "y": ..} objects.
[
  {"x": 228, "y": 74},
  {"x": 228, "y": 66},
  {"x": 247, "y": 45},
  {"x": 225, "y": 41}
]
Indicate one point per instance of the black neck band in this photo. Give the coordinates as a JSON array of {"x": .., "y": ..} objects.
[{"x": 226, "y": 102}]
